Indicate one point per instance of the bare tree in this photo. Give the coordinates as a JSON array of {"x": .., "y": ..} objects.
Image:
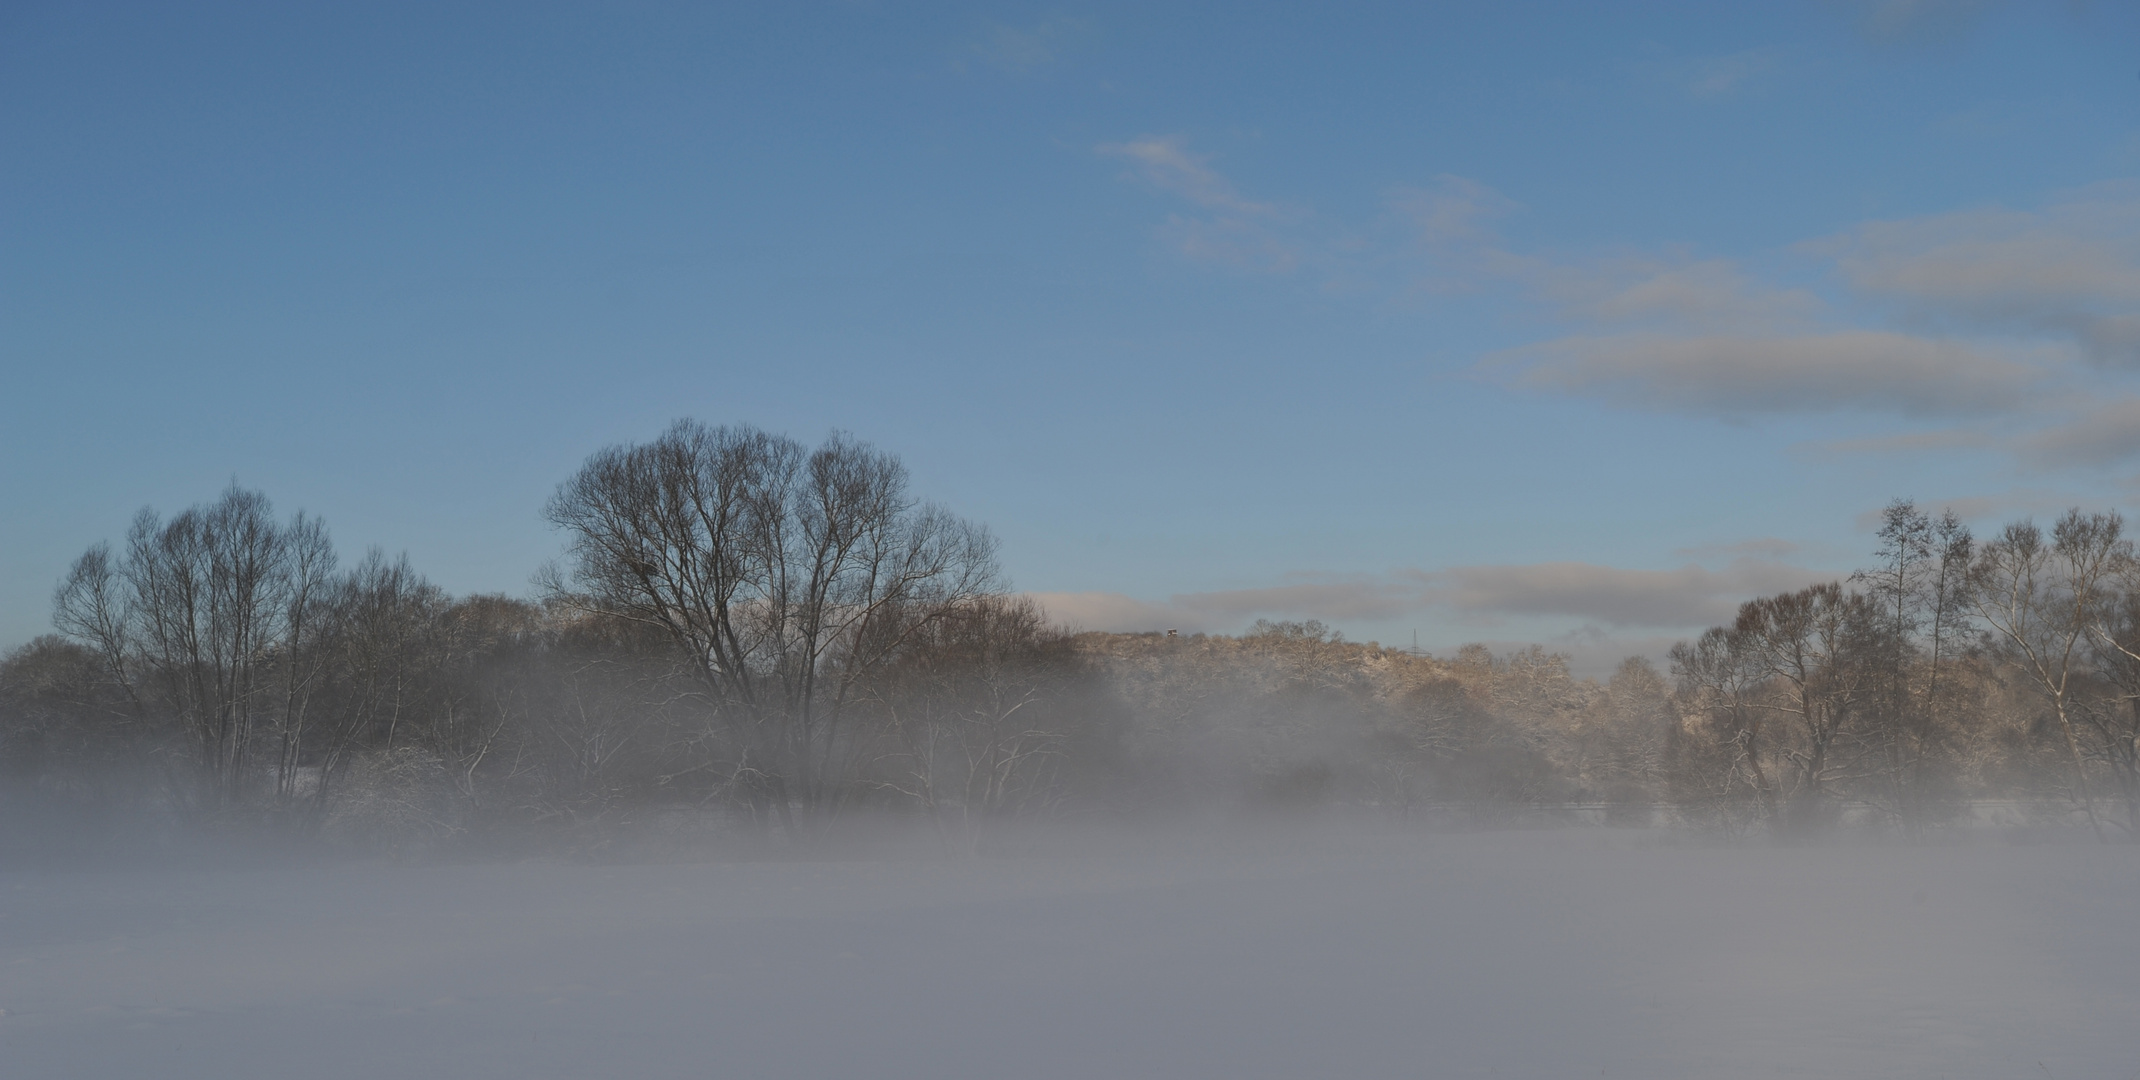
[
  {"x": 69, "y": 735},
  {"x": 2115, "y": 722},
  {"x": 1947, "y": 601},
  {"x": 1629, "y": 726},
  {"x": 1821, "y": 644},
  {"x": 974, "y": 711},
  {"x": 2041, "y": 599},
  {"x": 190, "y": 618},
  {"x": 92, "y": 607},
  {"x": 209, "y": 621},
  {"x": 1719, "y": 680},
  {"x": 384, "y": 646},
  {"x": 1919, "y": 586},
  {"x": 307, "y": 620},
  {"x": 781, "y": 577}
]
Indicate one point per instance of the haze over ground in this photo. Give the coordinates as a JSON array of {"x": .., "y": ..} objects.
[
  {"x": 1554, "y": 322},
  {"x": 1302, "y": 952}
]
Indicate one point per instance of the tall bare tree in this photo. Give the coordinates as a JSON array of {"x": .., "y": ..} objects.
[
  {"x": 1719, "y": 679},
  {"x": 781, "y": 577},
  {"x": 1823, "y": 646},
  {"x": 2041, "y": 599},
  {"x": 1900, "y": 584},
  {"x": 308, "y": 619},
  {"x": 2115, "y": 723},
  {"x": 190, "y": 619}
]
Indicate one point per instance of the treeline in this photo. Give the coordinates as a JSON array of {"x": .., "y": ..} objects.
[
  {"x": 750, "y": 638},
  {"x": 744, "y": 630},
  {"x": 1951, "y": 670}
]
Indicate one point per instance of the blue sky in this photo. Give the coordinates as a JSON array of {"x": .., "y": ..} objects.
[{"x": 1574, "y": 323}]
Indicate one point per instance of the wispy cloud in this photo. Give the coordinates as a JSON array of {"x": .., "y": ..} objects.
[
  {"x": 1453, "y": 209},
  {"x": 1981, "y": 508},
  {"x": 1336, "y": 600},
  {"x": 1373, "y": 599},
  {"x": 1026, "y": 49},
  {"x": 2102, "y": 435},
  {"x": 1320, "y": 600},
  {"x": 1994, "y": 314},
  {"x": 1165, "y": 162},
  {"x": 1900, "y": 21},
  {"x": 1115, "y": 612},
  {"x": 1852, "y": 370},
  {"x": 1443, "y": 225},
  {"x": 2107, "y": 434},
  {"x": 1908, "y": 442},
  {"x": 1719, "y": 75},
  {"x": 1231, "y": 241},
  {"x": 1230, "y": 229},
  {"x": 1688, "y": 596},
  {"x": 2071, "y": 268},
  {"x": 1984, "y": 319},
  {"x": 1671, "y": 290},
  {"x": 1760, "y": 547}
]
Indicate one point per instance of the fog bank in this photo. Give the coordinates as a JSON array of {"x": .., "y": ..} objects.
[{"x": 1317, "y": 951}]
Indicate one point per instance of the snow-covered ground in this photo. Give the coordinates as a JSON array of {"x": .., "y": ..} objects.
[{"x": 1326, "y": 953}]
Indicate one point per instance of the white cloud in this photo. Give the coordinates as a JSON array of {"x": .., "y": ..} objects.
[
  {"x": 2104, "y": 435},
  {"x": 1849, "y": 370},
  {"x": 1989, "y": 314},
  {"x": 2072, "y": 268},
  {"x": 1319, "y": 600},
  {"x": 1998, "y": 506},
  {"x": 1677, "y": 292},
  {"x": 1689, "y": 596},
  {"x": 2005, "y": 304},
  {"x": 1236, "y": 231},
  {"x": 1760, "y": 547},
  {"x": 1333, "y": 601},
  {"x": 1166, "y": 163},
  {"x": 1230, "y": 241},
  {"x": 1115, "y": 613},
  {"x": 1327, "y": 599},
  {"x": 1453, "y": 209}
]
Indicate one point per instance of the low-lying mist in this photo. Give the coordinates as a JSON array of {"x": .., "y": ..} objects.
[
  {"x": 754, "y": 644},
  {"x": 1284, "y": 949},
  {"x": 775, "y": 776}
]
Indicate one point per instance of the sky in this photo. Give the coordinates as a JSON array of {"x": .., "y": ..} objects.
[{"x": 1556, "y": 322}]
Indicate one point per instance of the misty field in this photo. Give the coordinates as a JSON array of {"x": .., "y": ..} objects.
[{"x": 1303, "y": 953}]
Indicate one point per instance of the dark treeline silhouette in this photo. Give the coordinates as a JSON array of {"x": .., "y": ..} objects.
[{"x": 756, "y": 640}]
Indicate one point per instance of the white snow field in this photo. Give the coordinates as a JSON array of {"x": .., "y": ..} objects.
[{"x": 1329, "y": 953}]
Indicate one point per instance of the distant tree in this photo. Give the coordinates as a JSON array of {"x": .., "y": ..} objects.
[
  {"x": 1824, "y": 647},
  {"x": 385, "y": 649},
  {"x": 2113, "y": 723},
  {"x": 1920, "y": 586},
  {"x": 69, "y": 735},
  {"x": 1625, "y": 737},
  {"x": 197, "y": 619},
  {"x": 1720, "y": 681},
  {"x": 982, "y": 711}
]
